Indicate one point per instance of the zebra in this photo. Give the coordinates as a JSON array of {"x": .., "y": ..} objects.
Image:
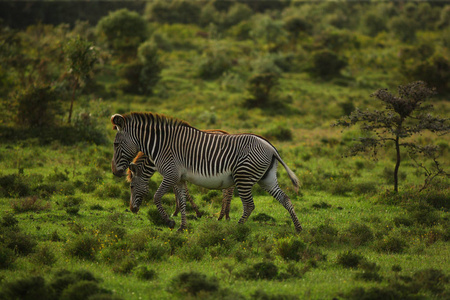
[
  {"x": 183, "y": 153},
  {"x": 142, "y": 169}
]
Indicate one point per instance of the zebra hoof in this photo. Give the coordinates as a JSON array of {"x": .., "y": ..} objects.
[
  {"x": 299, "y": 229},
  {"x": 181, "y": 229},
  {"x": 171, "y": 224}
]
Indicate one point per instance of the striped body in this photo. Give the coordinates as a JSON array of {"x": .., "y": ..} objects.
[
  {"x": 139, "y": 174},
  {"x": 183, "y": 153}
]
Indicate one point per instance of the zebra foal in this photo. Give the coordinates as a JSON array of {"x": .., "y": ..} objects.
[
  {"x": 183, "y": 153},
  {"x": 142, "y": 169}
]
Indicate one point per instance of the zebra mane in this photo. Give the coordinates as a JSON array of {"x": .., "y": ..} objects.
[
  {"x": 136, "y": 160},
  {"x": 156, "y": 118}
]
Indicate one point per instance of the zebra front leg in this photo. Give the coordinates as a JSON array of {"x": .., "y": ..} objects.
[
  {"x": 181, "y": 196},
  {"x": 163, "y": 189}
]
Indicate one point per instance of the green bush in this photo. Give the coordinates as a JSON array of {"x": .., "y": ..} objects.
[
  {"x": 262, "y": 270},
  {"x": 143, "y": 273},
  {"x": 37, "y": 106},
  {"x": 27, "y": 289},
  {"x": 192, "y": 283},
  {"x": 83, "y": 246},
  {"x": 157, "y": 250},
  {"x": 7, "y": 257},
  {"x": 390, "y": 244},
  {"x": 279, "y": 133},
  {"x": 327, "y": 64},
  {"x": 21, "y": 243},
  {"x": 180, "y": 11},
  {"x": 260, "y": 87},
  {"x": 261, "y": 295},
  {"x": 44, "y": 256},
  {"x": 82, "y": 290},
  {"x": 262, "y": 217},
  {"x": 358, "y": 234},
  {"x": 290, "y": 249},
  {"x": 349, "y": 259},
  {"x": 403, "y": 28},
  {"x": 8, "y": 220},
  {"x": 213, "y": 63},
  {"x": 123, "y": 31}
]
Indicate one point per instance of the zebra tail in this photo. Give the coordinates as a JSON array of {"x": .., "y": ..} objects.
[{"x": 291, "y": 174}]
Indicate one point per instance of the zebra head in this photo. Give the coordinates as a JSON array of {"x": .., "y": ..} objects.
[
  {"x": 139, "y": 187},
  {"x": 124, "y": 147}
]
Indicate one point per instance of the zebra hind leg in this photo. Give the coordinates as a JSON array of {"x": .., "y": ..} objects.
[
  {"x": 227, "y": 195},
  {"x": 281, "y": 196},
  {"x": 245, "y": 193},
  {"x": 189, "y": 198},
  {"x": 180, "y": 192}
]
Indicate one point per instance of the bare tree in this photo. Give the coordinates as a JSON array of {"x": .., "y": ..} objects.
[{"x": 404, "y": 115}]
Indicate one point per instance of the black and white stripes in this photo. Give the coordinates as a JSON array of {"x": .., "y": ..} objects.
[{"x": 183, "y": 153}]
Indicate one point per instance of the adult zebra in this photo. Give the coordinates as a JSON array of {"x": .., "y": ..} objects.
[{"x": 182, "y": 153}]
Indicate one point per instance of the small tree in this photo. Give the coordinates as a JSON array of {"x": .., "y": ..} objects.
[
  {"x": 404, "y": 116},
  {"x": 81, "y": 57},
  {"x": 260, "y": 87}
]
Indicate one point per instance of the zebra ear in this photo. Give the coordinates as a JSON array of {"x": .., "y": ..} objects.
[
  {"x": 133, "y": 168},
  {"x": 118, "y": 121}
]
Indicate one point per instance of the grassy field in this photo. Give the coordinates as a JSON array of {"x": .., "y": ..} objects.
[{"x": 66, "y": 231}]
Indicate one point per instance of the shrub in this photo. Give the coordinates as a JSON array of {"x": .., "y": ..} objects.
[
  {"x": 262, "y": 217},
  {"x": 82, "y": 290},
  {"x": 213, "y": 63},
  {"x": 63, "y": 279},
  {"x": 143, "y": 273},
  {"x": 157, "y": 250},
  {"x": 260, "y": 86},
  {"x": 261, "y": 295},
  {"x": 391, "y": 244},
  {"x": 14, "y": 186},
  {"x": 8, "y": 220},
  {"x": 109, "y": 190},
  {"x": 349, "y": 259},
  {"x": 193, "y": 283},
  {"x": 423, "y": 214},
  {"x": 403, "y": 28},
  {"x": 324, "y": 234},
  {"x": 27, "y": 289},
  {"x": 21, "y": 243},
  {"x": 192, "y": 252},
  {"x": 83, "y": 246},
  {"x": 72, "y": 205},
  {"x": 279, "y": 133},
  {"x": 44, "y": 256},
  {"x": 290, "y": 249},
  {"x": 123, "y": 31},
  {"x": 182, "y": 11},
  {"x": 262, "y": 270},
  {"x": 432, "y": 280},
  {"x": 7, "y": 257},
  {"x": 327, "y": 64},
  {"x": 358, "y": 234},
  {"x": 37, "y": 106},
  {"x": 126, "y": 266}
]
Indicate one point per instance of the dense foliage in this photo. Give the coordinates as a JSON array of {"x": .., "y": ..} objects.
[{"x": 286, "y": 70}]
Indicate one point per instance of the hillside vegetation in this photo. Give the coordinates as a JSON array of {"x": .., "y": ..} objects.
[{"x": 286, "y": 70}]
